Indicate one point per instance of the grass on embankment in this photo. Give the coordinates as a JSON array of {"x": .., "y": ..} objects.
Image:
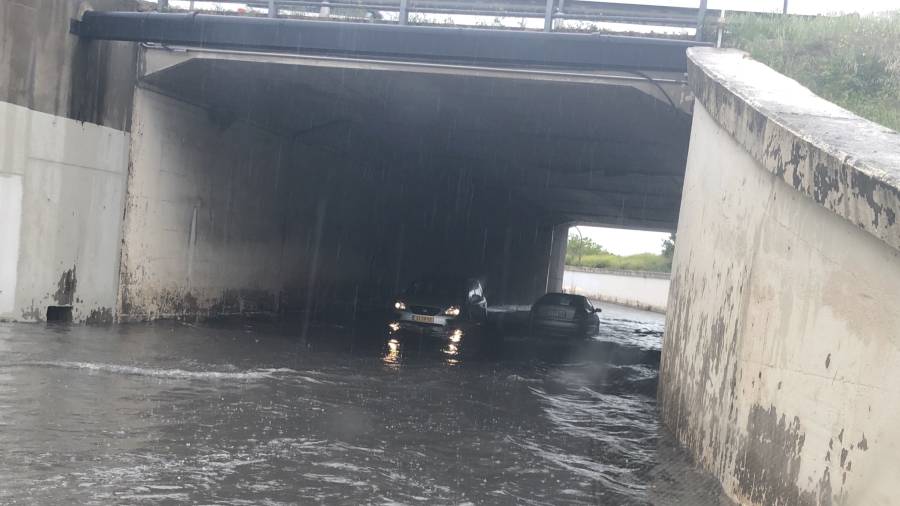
[
  {"x": 852, "y": 61},
  {"x": 641, "y": 262}
]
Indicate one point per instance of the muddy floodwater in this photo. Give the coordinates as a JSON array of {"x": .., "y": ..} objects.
[{"x": 252, "y": 413}]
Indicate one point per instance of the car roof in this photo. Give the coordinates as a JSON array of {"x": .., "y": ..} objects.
[{"x": 560, "y": 295}]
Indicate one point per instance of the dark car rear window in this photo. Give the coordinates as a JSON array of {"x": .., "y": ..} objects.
[{"x": 560, "y": 299}]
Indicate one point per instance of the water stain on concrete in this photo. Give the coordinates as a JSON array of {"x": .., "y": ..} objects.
[
  {"x": 65, "y": 288},
  {"x": 32, "y": 313},
  {"x": 768, "y": 461},
  {"x": 100, "y": 316}
]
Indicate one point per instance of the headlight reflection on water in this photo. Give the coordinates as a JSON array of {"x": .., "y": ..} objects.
[
  {"x": 452, "y": 351},
  {"x": 392, "y": 357},
  {"x": 452, "y": 348}
]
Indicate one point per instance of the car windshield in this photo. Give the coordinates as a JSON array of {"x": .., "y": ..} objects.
[{"x": 434, "y": 288}]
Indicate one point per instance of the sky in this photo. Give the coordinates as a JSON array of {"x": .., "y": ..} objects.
[
  {"x": 794, "y": 6},
  {"x": 623, "y": 242}
]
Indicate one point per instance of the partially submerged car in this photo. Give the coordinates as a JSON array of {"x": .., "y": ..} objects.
[
  {"x": 440, "y": 303},
  {"x": 564, "y": 314}
]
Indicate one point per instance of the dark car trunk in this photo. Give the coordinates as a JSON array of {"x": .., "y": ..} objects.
[{"x": 554, "y": 312}]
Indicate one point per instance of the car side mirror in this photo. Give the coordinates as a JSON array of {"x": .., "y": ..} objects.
[{"x": 598, "y": 310}]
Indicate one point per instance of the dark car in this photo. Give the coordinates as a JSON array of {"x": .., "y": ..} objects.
[
  {"x": 440, "y": 303},
  {"x": 564, "y": 314}
]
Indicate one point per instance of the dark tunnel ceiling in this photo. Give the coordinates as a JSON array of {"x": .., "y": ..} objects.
[{"x": 582, "y": 152}]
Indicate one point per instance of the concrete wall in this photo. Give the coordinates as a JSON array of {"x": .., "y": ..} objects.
[
  {"x": 46, "y": 69},
  {"x": 201, "y": 225},
  {"x": 635, "y": 289},
  {"x": 65, "y": 105},
  {"x": 779, "y": 368},
  {"x": 225, "y": 217},
  {"x": 62, "y": 185}
]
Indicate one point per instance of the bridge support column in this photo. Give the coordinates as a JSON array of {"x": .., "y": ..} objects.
[
  {"x": 548, "y": 16},
  {"x": 557, "y": 264}
]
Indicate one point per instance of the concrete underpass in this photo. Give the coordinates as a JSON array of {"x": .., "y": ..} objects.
[
  {"x": 265, "y": 182},
  {"x": 163, "y": 170}
]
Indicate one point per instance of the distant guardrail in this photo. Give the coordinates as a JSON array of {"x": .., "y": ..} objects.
[
  {"x": 620, "y": 272},
  {"x": 548, "y": 10}
]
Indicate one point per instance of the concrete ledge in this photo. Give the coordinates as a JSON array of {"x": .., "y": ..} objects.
[{"x": 847, "y": 164}]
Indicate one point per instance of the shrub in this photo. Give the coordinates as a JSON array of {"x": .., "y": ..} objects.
[{"x": 852, "y": 61}]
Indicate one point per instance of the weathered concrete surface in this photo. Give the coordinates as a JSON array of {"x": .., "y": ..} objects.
[
  {"x": 65, "y": 106},
  {"x": 642, "y": 290},
  {"x": 779, "y": 367},
  {"x": 62, "y": 186},
  {"x": 225, "y": 217},
  {"x": 44, "y": 68},
  {"x": 202, "y": 219},
  {"x": 849, "y": 165},
  {"x": 544, "y": 141},
  {"x": 286, "y": 183}
]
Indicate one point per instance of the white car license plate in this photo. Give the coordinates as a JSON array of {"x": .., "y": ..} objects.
[{"x": 423, "y": 319}]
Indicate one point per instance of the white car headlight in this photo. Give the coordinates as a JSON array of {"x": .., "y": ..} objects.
[
  {"x": 452, "y": 311},
  {"x": 400, "y": 305}
]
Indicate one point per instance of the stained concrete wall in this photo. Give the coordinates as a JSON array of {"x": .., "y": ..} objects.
[
  {"x": 65, "y": 106},
  {"x": 62, "y": 185},
  {"x": 201, "y": 228},
  {"x": 642, "y": 290},
  {"x": 46, "y": 69},
  {"x": 225, "y": 217},
  {"x": 779, "y": 367}
]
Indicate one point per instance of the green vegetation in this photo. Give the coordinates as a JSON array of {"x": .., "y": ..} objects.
[
  {"x": 583, "y": 252},
  {"x": 852, "y": 61}
]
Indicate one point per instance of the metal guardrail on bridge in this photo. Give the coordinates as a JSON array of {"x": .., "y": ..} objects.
[{"x": 548, "y": 10}]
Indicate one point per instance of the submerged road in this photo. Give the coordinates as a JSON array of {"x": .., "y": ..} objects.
[{"x": 248, "y": 413}]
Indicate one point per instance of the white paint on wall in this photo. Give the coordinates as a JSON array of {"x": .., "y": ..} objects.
[
  {"x": 72, "y": 185},
  {"x": 10, "y": 220},
  {"x": 650, "y": 293}
]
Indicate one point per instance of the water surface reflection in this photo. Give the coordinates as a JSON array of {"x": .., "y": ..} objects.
[{"x": 248, "y": 413}]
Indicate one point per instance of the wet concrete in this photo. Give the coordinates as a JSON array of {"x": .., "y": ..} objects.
[{"x": 249, "y": 413}]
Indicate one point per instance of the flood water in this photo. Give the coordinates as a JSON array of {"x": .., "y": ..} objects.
[{"x": 251, "y": 413}]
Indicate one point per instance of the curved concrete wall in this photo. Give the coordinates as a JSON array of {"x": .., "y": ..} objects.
[{"x": 779, "y": 366}]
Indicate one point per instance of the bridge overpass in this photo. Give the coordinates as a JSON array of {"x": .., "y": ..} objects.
[
  {"x": 401, "y": 149},
  {"x": 275, "y": 165}
]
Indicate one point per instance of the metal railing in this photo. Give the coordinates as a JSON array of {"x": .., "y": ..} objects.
[{"x": 547, "y": 10}]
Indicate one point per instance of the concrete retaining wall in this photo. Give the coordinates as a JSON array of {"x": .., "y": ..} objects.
[
  {"x": 779, "y": 367},
  {"x": 62, "y": 185},
  {"x": 202, "y": 227},
  {"x": 634, "y": 289},
  {"x": 65, "y": 105}
]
